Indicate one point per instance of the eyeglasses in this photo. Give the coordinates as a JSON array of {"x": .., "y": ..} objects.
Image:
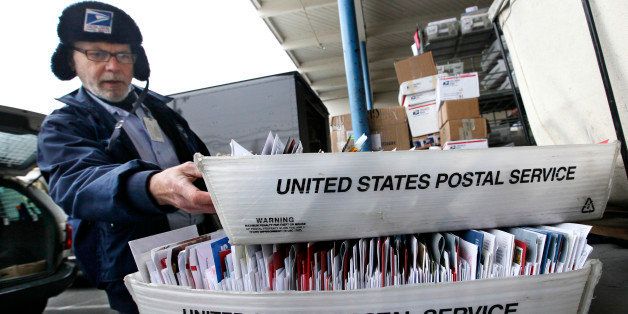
[{"x": 104, "y": 56}]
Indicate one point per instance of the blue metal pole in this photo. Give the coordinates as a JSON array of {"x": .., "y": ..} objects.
[
  {"x": 355, "y": 83},
  {"x": 366, "y": 76}
]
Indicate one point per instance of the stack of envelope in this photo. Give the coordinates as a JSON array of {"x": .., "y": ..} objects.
[{"x": 210, "y": 262}]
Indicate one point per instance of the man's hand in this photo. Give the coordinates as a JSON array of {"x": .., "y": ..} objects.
[{"x": 173, "y": 186}]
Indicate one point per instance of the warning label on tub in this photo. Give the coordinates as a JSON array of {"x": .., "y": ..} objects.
[{"x": 275, "y": 224}]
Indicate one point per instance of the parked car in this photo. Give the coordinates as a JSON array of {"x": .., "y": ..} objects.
[{"x": 35, "y": 239}]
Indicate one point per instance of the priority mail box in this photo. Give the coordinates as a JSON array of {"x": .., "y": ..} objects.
[
  {"x": 415, "y": 67},
  {"x": 450, "y": 68},
  {"x": 388, "y": 126},
  {"x": 463, "y": 129},
  {"x": 443, "y": 29},
  {"x": 426, "y": 141},
  {"x": 466, "y": 144},
  {"x": 461, "y": 86},
  {"x": 569, "y": 292},
  {"x": 422, "y": 118},
  {"x": 475, "y": 21},
  {"x": 418, "y": 91},
  {"x": 458, "y": 109},
  {"x": 420, "y": 85},
  {"x": 418, "y": 98},
  {"x": 315, "y": 197}
]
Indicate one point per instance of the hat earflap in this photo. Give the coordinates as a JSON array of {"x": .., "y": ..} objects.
[
  {"x": 60, "y": 63},
  {"x": 141, "y": 67}
]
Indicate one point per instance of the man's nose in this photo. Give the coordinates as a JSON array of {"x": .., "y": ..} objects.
[{"x": 113, "y": 64}]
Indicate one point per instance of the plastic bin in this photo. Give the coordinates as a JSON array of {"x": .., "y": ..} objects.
[
  {"x": 314, "y": 197},
  {"x": 569, "y": 292}
]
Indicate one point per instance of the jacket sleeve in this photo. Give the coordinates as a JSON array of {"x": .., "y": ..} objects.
[{"x": 86, "y": 182}]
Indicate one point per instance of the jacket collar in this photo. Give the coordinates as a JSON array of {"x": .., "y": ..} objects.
[
  {"x": 82, "y": 102},
  {"x": 80, "y": 97}
]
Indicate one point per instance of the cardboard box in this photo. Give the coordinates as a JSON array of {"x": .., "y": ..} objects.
[
  {"x": 20, "y": 270},
  {"x": 420, "y": 85},
  {"x": 415, "y": 67},
  {"x": 474, "y": 22},
  {"x": 506, "y": 83},
  {"x": 389, "y": 129},
  {"x": 340, "y": 128},
  {"x": 568, "y": 292},
  {"x": 466, "y": 144},
  {"x": 451, "y": 68},
  {"x": 461, "y": 86},
  {"x": 423, "y": 118},
  {"x": 418, "y": 98},
  {"x": 426, "y": 141},
  {"x": 496, "y": 76},
  {"x": 443, "y": 29},
  {"x": 458, "y": 109},
  {"x": 463, "y": 129},
  {"x": 356, "y": 195},
  {"x": 492, "y": 54}
]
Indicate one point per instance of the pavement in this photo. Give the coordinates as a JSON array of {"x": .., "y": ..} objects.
[
  {"x": 611, "y": 292},
  {"x": 80, "y": 299}
]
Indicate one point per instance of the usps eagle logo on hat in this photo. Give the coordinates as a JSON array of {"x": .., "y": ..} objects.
[{"x": 98, "y": 21}]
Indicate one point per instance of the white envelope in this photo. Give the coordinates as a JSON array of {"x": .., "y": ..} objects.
[
  {"x": 141, "y": 248},
  {"x": 505, "y": 247}
]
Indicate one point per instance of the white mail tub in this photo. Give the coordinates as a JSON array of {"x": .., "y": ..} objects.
[
  {"x": 569, "y": 292},
  {"x": 317, "y": 197}
]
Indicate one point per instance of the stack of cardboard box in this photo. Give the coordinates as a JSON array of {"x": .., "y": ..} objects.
[
  {"x": 440, "y": 108},
  {"x": 461, "y": 125},
  {"x": 388, "y": 126},
  {"x": 418, "y": 78}
]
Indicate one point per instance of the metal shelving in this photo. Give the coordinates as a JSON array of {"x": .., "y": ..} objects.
[{"x": 499, "y": 103}]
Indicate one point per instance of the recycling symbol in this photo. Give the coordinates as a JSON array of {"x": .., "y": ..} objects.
[{"x": 588, "y": 206}]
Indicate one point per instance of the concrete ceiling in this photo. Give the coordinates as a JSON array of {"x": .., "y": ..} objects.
[{"x": 309, "y": 32}]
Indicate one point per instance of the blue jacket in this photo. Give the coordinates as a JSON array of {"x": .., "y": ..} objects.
[{"x": 105, "y": 192}]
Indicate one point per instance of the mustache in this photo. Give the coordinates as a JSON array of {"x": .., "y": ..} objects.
[{"x": 112, "y": 78}]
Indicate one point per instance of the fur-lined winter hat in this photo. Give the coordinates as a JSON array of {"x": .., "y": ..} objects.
[{"x": 96, "y": 21}]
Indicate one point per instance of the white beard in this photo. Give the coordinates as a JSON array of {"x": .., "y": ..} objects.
[{"x": 108, "y": 95}]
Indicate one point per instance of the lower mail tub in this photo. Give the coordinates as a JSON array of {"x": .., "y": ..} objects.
[{"x": 569, "y": 292}]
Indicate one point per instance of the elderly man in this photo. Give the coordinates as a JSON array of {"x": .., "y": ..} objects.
[{"x": 116, "y": 157}]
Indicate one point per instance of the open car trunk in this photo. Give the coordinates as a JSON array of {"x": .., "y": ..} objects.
[
  {"x": 26, "y": 231},
  {"x": 30, "y": 243}
]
